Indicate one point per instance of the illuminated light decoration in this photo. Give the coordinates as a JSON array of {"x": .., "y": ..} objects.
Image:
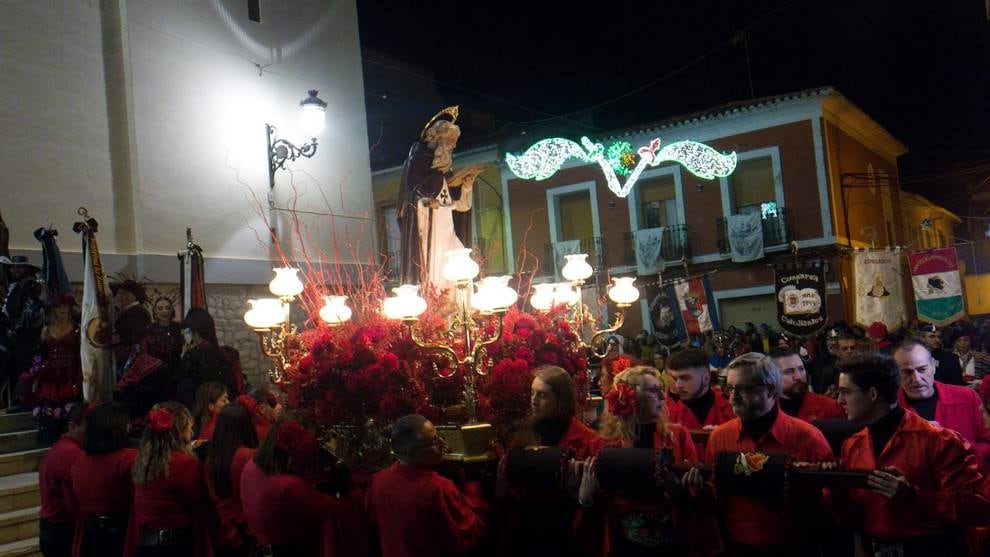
[
  {"x": 544, "y": 158},
  {"x": 620, "y": 157}
]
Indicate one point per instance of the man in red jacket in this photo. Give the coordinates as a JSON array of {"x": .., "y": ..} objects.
[
  {"x": 58, "y": 512},
  {"x": 416, "y": 510},
  {"x": 795, "y": 398},
  {"x": 950, "y": 406},
  {"x": 692, "y": 403},
  {"x": 765, "y": 526},
  {"x": 925, "y": 485}
]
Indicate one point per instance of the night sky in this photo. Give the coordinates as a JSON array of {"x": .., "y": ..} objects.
[{"x": 920, "y": 68}]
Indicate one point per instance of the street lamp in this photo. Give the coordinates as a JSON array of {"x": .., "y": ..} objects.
[{"x": 312, "y": 118}]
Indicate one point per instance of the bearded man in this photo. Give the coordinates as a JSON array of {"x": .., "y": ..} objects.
[{"x": 429, "y": 193}]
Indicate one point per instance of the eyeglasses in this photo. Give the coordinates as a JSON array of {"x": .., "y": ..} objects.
[
  {"x": 743, "y": 390},
  {"x": 844, "y": 393},
  {"x": 437, "y": 441},
  {"x": 655, "y": 391}
]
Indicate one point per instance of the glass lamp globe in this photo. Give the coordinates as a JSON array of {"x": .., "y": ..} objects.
[
  {"x": 623, "y": 292},
  {"x": 542, "y": 298},
  {"x": 286, "y": 283},
  {"x": 335, "y": 310},
  {"x": 406, "y": 304},
  {"x": 494, "y": 294},
  {"x": 312, "y": 115},
  {"x": 265, "y": 313},
  {"x": 563, "y": 293},
  {"x": 460, "y": 267},
  {"x": 577, "y": 267}
]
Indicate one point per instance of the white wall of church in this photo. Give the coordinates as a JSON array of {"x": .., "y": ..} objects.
[{"x": 151, "y": 114}]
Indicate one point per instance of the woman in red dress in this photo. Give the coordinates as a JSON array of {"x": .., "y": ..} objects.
[
  {"x": 172, "y": 510},
  {"x": 647, "y": 523},
  {"x": 101, "y": 483},
  {"x": 58, "y": 377},
  {"x": 211, "y": 397},
  {"x": 233, "y": 444},
  {"x": 288, "y": 514},
  {"x": 163, "y": 338}
]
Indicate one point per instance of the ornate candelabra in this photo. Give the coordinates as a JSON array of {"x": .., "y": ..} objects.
[
  {"x": 576, "y": 271},
  {"x": 271, "y": 317},
  {"x": 462, "y": 342},
  {"x": 312, "y": 119}
]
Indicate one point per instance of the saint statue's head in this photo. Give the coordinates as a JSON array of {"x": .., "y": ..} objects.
[{"x": 441, "y": 134}]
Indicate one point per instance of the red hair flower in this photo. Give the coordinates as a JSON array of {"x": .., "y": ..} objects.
[
  {"x": 248, "y": 402},
  {"x": 621, "y": 400},
  {"x": 619, "y": 364},
  {"x": 160, "y": 420},
  {"x": 295, "y": 440}
]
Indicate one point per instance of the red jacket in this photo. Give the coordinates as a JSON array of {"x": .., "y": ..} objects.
[
  {"x": 207, "y": 432},
  {"x": 747, "y": 519},
  {"x": 178, "y": 500},
  {"x": 283, "y": 509},
  {"x": 55, "y": 482},
  {"x": 819, "y": 407},
  {"x": 229, "y": 508},
  {"x": 419, "y": 512},
  {"x": 718, "y": 414},
  {"x": 949, "y": 490},
  {"x": 583, "y": 440},
  {"x": 101, "y": 484},
  {"x": 958, "y": 408}
]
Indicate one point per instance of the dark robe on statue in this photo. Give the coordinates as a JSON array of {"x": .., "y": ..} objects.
[{"x": 421, "y": 181}]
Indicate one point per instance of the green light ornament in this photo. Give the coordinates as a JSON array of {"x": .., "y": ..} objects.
[
  {"x": 617, "y": 155},
  {"x": 544, "y": 158}
]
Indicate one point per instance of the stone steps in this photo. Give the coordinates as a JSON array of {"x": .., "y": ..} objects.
[
  {"x": 17, "y": 441},
  {"x": 17, "y": 422},
  {"x": 19, "y": 491},
  {"x": 21, "y": 461},
  {"x": 19, "y": 525},
  {"x": 21, "y": 548}
]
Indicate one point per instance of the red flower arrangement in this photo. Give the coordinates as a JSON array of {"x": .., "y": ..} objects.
[
  {"x": 160, "y": 420},
  {"x": 296, "y": 441},
  {"x": 621, "y": 400}
]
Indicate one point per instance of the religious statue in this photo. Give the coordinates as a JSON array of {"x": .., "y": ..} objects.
[{"x": 429, "y": 194}]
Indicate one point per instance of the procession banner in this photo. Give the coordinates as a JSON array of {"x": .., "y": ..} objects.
[
  {"x": 191, "y": 275},
  {"x": 97, "y": 362},
  {"x": 696, "y": 305},
  {"x": 937, "y": 289},
  {"x": 800, "y": 288},
  {"x": 877, "y": 288}
]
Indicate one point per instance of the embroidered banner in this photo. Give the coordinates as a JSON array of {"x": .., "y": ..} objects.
[
  {"x": 696, "y": 305},
  {"x": 648, "y": 242},
  {"x": 801, "y": 307},
  {"x": 877, "y": 288},
  {"x": 745, "y": 236},
  {"x": 937, "y": 289}
]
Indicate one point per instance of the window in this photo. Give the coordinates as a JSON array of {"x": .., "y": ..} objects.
[
  {"x": 751, "y": 187},
  {"x": 574, "y": 216},
  {"x": 658, "y": 202}
]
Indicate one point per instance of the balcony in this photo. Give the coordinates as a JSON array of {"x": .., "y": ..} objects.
[
  {"x": 776, "y": 231},
  {"x": 593, "y": 246},
  {"x": 676, "y": 243}
]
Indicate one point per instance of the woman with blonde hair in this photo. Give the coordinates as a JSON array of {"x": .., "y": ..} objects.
[
  {"x": 635, "y": 417},
  {"x": 172, "y": 508}
]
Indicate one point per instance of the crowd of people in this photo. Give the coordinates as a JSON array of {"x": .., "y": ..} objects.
[{"x": 236, "y": 477}]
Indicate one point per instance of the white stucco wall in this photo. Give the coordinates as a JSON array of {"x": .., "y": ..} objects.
[{"x": 151, "y": 114}]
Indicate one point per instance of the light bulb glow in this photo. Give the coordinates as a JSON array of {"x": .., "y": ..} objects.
[
  {"x": 494, "y": 294},
  {"x": 265, "y": 313},
  {"x": 577, "y": 267},
  {"x": 542, "y": 298},
  {"x": 286, "y": 283},
  {"x": 623, "y": 292},
  {"x": 564, "y": 294},
  {"x": 335, "y": 310},
  {"x": 460, "y": 267},
  {"x": 544, "y": 158},
  {"x": 312, "y": 115},
  {"x": 406, "y": 304}
]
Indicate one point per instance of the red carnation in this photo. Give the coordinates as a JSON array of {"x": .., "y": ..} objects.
[
  {"x": 160, "y": 420},
  {"x": 549, "y": 357},
  {"x": 621, "y": 400},
  {"x": 295, "y": 440},
  {"x": 619, "y": 364},
  {"x": 523, "y": 353}
]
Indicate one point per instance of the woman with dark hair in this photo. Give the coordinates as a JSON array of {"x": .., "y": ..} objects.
[
  {"x": 265, "y": 407},
  {"x": 172, "y": 513},
  {"x": 234, "y": 443},
  {"x": 211, "y": 397},
  {"x": 101, "y": 483},
  {"x": 202, "y": 359},
  {"x": 57, "y": 378},
  {"x": 57, "y": 512},
  {"x": 163, "y": 338},
  {"x": 287, "y": 513},
  {"x": 553, "y": 422}
]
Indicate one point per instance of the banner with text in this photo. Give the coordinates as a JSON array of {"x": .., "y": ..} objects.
[
  {"x": 800, "y": 288},
  {"x": 937, "y": 289},
  {"x": 877, "y": 288}
]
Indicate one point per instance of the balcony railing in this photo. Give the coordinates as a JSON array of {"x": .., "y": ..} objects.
[
  {"x": 593, "y": 246},
  {"x": 776, "y": 231},
  {"x": 675, "y": 244}
]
